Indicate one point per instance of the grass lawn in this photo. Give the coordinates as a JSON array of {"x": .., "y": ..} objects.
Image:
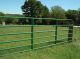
[{"x": 62, "y": 51}]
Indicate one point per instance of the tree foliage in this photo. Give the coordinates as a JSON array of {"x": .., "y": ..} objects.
[
  {"x": 73, "y": 14},
  {"x": 34, "y": 8},
  {"x": 58, "y": 12}
]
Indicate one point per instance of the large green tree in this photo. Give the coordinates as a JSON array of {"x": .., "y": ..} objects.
[
  {"x": 58, "y": 12},
  {"x": 34, "y": 8},
  {"x": 46, "y": 14},
  {"x": 73, "y": 14}
]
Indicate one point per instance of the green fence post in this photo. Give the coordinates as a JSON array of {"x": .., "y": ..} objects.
[
  {"x": 32, "y": 34},
  {"x": 70, "y": 33},
  {"x": 56, "y": 32}
]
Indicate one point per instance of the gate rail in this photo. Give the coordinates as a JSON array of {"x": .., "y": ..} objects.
[{"x": 48, "y": 43}]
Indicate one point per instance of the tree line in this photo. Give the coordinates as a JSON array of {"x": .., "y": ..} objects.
[{"x": 34, "y": 8}]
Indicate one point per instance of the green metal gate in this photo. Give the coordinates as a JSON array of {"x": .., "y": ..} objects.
[{"x": 35, "y": 36}]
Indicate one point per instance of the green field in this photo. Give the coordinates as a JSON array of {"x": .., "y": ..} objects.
[{"x": 62, "y": 51}]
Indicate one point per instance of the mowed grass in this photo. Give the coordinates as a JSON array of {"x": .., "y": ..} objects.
[
  {"x": 26, "y": 36},
  {"x": 63, "y": 51}
]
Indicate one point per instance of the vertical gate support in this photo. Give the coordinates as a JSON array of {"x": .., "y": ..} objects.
[
  {"x": 32, "y": 33},
  {"x": 56, "y": 28},
  {"x": 70, "y": 33}
]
